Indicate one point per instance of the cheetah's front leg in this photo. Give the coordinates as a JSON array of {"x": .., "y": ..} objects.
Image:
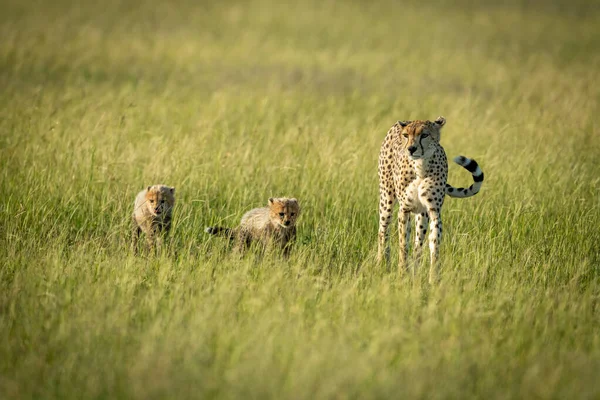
[
  {"x": 135, "y": 236},
  {"x": 435, "y": 238},
  {"x": 159, "y": 240},
  {"x": 386, "y": 203},
  {"x": 289, "y": 241},
  {"x": 421, "y": 222},
  {"x": 404, "y": 237},
  {"x": 151, "y": 241}
]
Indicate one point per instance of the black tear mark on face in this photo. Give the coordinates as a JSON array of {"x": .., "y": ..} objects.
[{"x": 421, "y": 144}]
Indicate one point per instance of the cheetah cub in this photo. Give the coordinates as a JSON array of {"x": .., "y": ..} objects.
[
  {"x": 413, "y": 170},
  {"x": 152, "y": 214},
  {"x": 271, "y": 225}
]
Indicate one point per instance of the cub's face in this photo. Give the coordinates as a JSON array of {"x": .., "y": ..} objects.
[
  {"x": 283, "y": 211},
  {"x": 419, "y": 136},
  {"x": 160, "y": 199}
]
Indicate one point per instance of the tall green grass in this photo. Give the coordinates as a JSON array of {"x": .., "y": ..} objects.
[{"x": 235, "y": 102}]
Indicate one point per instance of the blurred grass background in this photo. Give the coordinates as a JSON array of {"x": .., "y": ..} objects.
[{"x": 235, "y": 102}]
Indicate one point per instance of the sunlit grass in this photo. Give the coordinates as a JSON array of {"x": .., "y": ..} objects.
[{"x": 234, "y": 103}]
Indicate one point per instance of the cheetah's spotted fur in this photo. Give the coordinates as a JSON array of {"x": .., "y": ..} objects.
[{"x": 413, "y": 170}]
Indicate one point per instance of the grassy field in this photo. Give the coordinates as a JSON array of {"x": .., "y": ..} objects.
[{"x": 234, "y": 102}]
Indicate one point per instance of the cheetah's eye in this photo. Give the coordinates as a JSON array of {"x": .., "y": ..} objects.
[
  {"x": 281, "y": 215},
  {"x": 152, "y": 201},
  {"x": 425, "y": 135},
  {"x": 292, "y": 214},
  {"x": 405, "y": 135}
]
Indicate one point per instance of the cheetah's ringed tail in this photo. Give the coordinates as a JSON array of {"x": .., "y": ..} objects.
[{"x": 471, "y": 166}]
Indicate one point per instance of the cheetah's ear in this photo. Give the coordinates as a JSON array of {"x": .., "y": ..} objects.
[
  {"x": 172, "y": 189},
  {"x": 403, "y": 123},
  {"x": 441, "y": 121},
  {"x": 149, "y": 187},
  {"x": 271, "y": 201}
]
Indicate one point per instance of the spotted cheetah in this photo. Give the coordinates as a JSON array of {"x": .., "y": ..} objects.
[
  {"x": 274, "y": 224},
  {"x": 413, "y": 170},
  {"x": 152, "y": 214}
]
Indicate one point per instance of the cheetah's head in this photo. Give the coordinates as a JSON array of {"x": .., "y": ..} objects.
[
  {"x": 419, "y": 136},
  {"x": 283, "y": 211},
  {"x": 159, "y": 199}
]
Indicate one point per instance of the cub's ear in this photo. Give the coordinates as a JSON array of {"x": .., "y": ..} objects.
[
  {"x": 295, "y": 201},
  {"x": 441, "y": 121},
  {"x": 148, "y": 189},
  {"x": 172, "y": 189},
  {"x": 403, "y": 123},
  {"x": 271, "y": 201}
]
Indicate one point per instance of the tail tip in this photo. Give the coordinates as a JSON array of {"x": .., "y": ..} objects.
[{"x": 208, "y": 229}]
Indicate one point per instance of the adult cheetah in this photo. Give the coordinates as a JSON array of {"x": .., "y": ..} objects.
[{"x": 413, "y": 170}]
